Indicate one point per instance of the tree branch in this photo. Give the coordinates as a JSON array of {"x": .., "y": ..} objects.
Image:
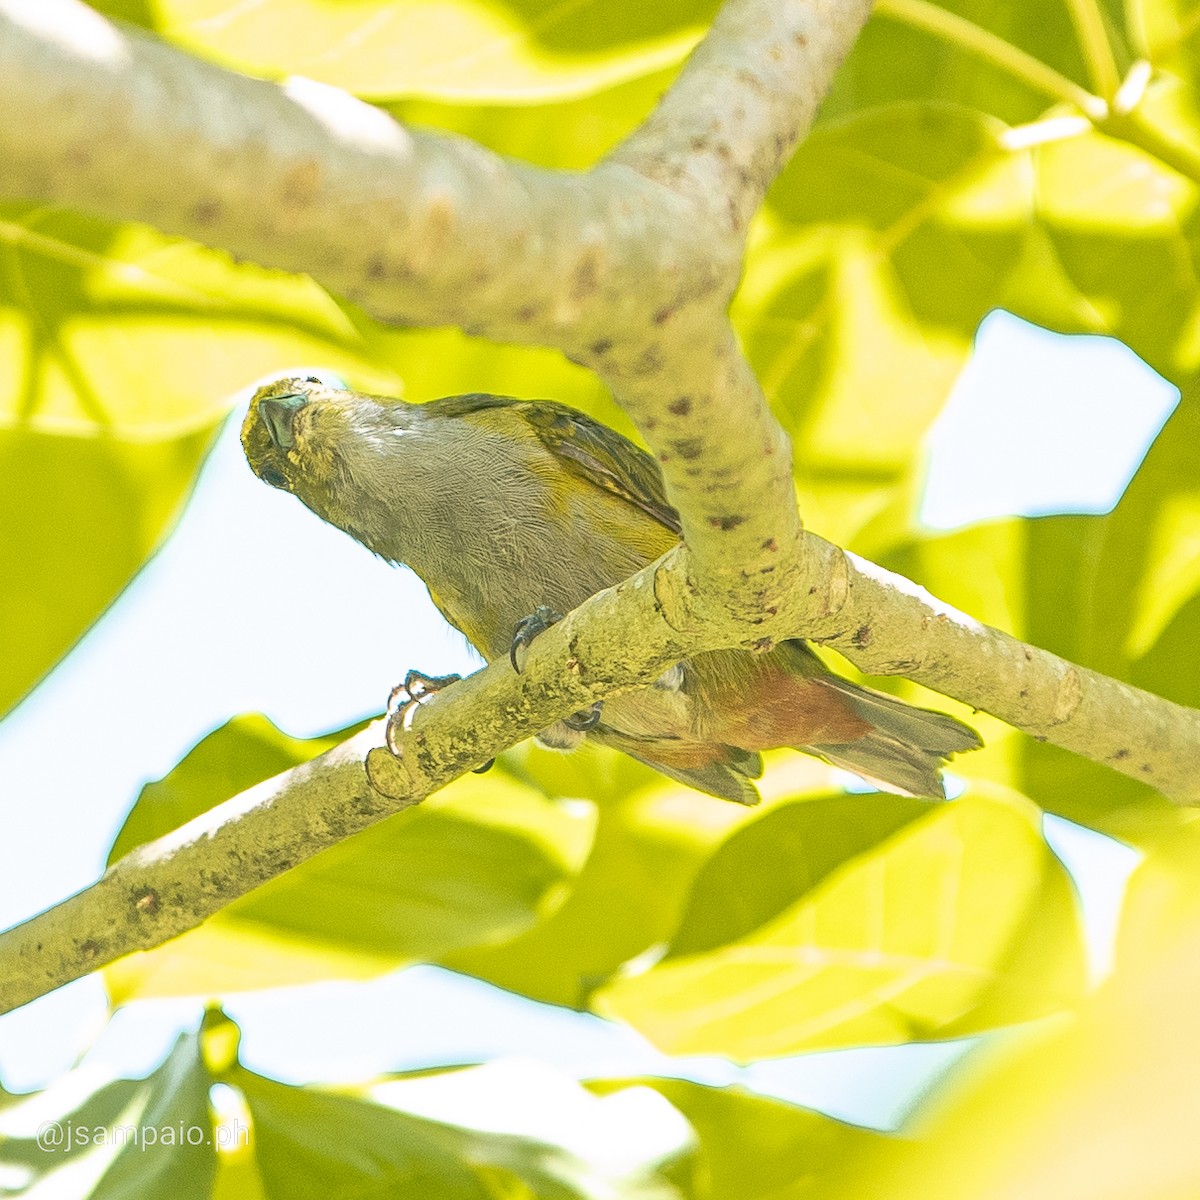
[
  {"x": 628, "y": 268},
  {"x": 611, "y": 643}
]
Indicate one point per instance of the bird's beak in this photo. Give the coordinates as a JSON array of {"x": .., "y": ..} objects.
[{"x": 277, "y": 413}]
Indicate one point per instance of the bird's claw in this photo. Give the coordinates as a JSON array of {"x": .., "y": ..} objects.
[
  {"x": 527, "y": 629},
  {"x": 405, "y": 698}
]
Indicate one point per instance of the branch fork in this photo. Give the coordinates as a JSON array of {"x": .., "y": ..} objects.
[{"x": 627, "y": 268}]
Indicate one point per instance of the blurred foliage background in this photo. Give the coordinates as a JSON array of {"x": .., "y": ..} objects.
[{"x": 1042, "y": 158}]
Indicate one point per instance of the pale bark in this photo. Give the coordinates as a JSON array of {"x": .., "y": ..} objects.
[{"x": 628, "y": 268}]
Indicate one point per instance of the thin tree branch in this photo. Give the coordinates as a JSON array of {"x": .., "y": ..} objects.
[
  {"x": 1097, "y": 50},
  {"x": 611, "y": 643},
  {"x": 967, "y": 35}
]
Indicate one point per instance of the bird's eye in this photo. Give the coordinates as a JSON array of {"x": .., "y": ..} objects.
[{"x": 275, "y": 477}]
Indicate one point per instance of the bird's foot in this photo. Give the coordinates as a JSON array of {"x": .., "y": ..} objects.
[
  {"x": 586, "y": 719},
  {"x": 527, "y": 629},
  {"x": 406, "y": 697}
]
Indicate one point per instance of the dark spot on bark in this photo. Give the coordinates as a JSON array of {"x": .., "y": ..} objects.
[
  {"x": 664, "y": 458},
  {"x": 770, "y": 544},
  {"x": 1024, "y": 693},
  {"x": 376, "y": 268},
  {"x": 301, "y": 183},
  {"x": 147, "y": 902},
  {"x": 762, "y": 645},
  {"x": 586, "y": 277},
  {"x": 726, "y": 523},
  {"x": 688, "y": 448},
  {"x": 812, "y": 591},
  {"x": 650, "y": 423},
  {"x": 771, "y": 610},
  {"x": 206, "y": 212},
  {"x": 681, "y": 406},
  {"x": 1029, "y": 656},
  {"x": 603, "y": 346},
  {"x": 1040, "y": 737},
  {"x": 663, "y": 315},
  {"x": 1121, "y": 754},
  {"x": 90, "y": 949},
  {"x": 527, "y": 313},
  {"x": 699, "y": 143},
  {"x": 649, "y": 361},
  {"x": 1147, "y": 769},
  {"x": 800, "y": 39},
  {"x": 862, "y": 636}
]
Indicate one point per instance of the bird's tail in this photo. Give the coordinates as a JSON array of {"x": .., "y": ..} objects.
[{"x": 906, "y": 746}]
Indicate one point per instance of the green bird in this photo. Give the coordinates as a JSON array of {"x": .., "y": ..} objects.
[{"x": 514, "y": 511}]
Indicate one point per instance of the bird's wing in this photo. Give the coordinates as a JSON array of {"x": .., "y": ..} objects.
[{"x": 586, "y": 448}]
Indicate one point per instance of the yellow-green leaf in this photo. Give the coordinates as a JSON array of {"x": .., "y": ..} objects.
[
  {"x": 122, "y": 350},
  {"x": 526, "y": 50},
  {"x": 1103, "y": 1106},
  {"x": 909, "y": 940}
]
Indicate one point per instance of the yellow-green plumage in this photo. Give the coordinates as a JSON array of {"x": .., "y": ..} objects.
[{"x": 502, "y": 506}]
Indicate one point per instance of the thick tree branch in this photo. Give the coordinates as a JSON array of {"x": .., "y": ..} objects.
[
  {"x": 628, "y": 268},
  {"x": 417, "y": 227}
]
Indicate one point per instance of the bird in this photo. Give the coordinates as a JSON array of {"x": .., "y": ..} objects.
[{"x": 513, "y": 512}]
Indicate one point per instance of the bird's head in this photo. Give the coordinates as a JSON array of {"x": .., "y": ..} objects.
[{"x": 334, "y": 450}]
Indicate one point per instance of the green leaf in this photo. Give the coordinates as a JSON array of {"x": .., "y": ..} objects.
[
  {"x": 571, "y": 134},
  {"x": 884, "y": 242},
  {"x": 478, "y": 863},
  {"x": 1168, "y": 33},
  {"x": 896, "y": 59},
  {"x": 752, "y": 1148},
  {"x": 149, "y": 1137},
  {"x": 651, "y": 838},
  {"x": 314, "y": 1143},
  {"x": 1101, "y": 1106},
  {"x": 520, "y": 50},
  {"x": 787, "y": 851},
  {"x": 79, "y": 516},
  {"x": 911, "y": 940},
  {"x": 122, "y": 349}
]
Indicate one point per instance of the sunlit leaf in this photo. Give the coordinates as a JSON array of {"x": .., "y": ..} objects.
[
  {"x": 751, "y": 1148},
  {"x": 79, "y": 516},
  {"x": 122, "y": 350},
  {"x": 897, "y": 59},
  {"x": 569, "y": 134},
  {"x": 478, "y": 863},
  {"x": 149, "y": 1137},
  {"x": 314, "y": 1143},
  {"x": 787, "y": 851},
  {"x": 515, "y": 50},
  {"x": 908, "y": 941},
  {"x": 651, "y": 838},
  {"x": 1103, "y": 1107},
  {"x": 884, "y": 243}
]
